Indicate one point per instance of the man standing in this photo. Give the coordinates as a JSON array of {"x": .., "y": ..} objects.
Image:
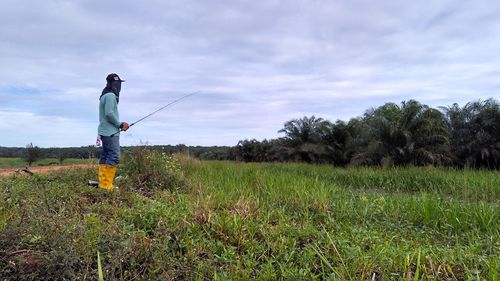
[{"x": 109, "y": 130}]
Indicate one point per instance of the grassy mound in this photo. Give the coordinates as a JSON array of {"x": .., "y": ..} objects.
[{"x": 199, "y": 220}]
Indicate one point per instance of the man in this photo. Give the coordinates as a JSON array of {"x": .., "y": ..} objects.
[{"x": 109, "y": 130}]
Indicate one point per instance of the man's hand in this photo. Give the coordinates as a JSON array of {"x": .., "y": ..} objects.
[{"x": 124, "y": 126}]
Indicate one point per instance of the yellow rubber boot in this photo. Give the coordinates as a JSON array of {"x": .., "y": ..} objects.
[
  {"x": 111, "y": 176},
  {"x": 102, "y": 176},
  {"x": 106, "y": 176}
]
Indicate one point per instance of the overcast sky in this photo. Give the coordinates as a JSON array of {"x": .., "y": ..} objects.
[{"x": 257, "y": 64}]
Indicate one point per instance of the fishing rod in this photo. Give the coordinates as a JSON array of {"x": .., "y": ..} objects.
[{"x": 158, "y": 110}]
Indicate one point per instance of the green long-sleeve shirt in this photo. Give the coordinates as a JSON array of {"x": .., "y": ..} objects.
[{"x": 109, "y": 118}]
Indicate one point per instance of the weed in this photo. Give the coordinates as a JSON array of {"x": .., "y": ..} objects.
[
  {"x": 192, "y": 220},
  {"x": 147, "y": 171}
]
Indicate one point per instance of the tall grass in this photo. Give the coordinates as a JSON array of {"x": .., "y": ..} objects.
[{"x": 236, "y": 221}]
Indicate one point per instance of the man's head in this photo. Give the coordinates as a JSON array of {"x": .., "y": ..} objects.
[
  {"x": 113, "y": 77},
  {"x": 114, "y": 83}
]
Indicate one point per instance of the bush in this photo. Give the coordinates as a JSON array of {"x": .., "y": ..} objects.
[
  {"x": 32, "y": 153},
  {"x": 147, "y": 171}
]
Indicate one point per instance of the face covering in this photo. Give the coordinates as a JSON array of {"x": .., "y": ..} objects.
[{"x": 113, "y": 87}]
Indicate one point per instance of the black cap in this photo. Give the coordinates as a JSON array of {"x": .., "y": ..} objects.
[{"x": 113, "y": 77}]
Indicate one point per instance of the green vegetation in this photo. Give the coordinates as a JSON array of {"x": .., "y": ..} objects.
[
  {"x": 92, "y": 152},
  {"x": 226, "y": 220},
  {"x": 32, "y": 154},
  {"x": 8, "y": 162},
  {"x": 409, "y": 134},
  {"x": 391, "y": 135}
]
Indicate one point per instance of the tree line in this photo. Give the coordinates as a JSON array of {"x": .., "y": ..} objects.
[
  {"x": 31, "y": 152},
  {"x": 409, "y": 133}
]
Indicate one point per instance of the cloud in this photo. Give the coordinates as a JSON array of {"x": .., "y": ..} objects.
[
  {"x": 21, "y": 127},
  {"x": 256, "y": 64}
]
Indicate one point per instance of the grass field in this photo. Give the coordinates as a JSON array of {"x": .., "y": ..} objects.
[
  {"x": 237, "y": 221},
  {"x": 11, "y": 162}
]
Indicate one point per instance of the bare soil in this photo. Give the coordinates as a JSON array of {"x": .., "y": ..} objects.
[{"x": 42, "y": 169}]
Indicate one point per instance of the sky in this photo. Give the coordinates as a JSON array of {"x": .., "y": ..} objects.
[{"x": 257, "y": 64}]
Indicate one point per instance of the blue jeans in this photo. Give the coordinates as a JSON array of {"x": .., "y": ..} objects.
[{"x": 110, "y": 150}]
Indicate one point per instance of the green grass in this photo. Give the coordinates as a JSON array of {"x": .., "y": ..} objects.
[
  {"x": 11, "y": 162},
  {"x": 237, "y": 221}
]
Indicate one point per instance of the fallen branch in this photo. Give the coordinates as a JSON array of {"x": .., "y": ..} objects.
[{"x": 26, "y": 170}]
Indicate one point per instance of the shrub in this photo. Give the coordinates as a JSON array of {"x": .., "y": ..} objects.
[
  {"x": 147, "y": 171},
  {"x": 32, "y": 153}
]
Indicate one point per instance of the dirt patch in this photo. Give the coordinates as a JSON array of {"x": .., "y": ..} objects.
[{"x": 42, "y": 169}]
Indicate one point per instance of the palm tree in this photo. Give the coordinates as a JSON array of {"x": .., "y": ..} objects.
[
  {"x": 252, "y": 150},
  {"x": 432, "y": 139},
  {"x": 335, "y": 138},
  {"x": 304, "y": 130},
  {"x": 400, "y": 135},
  {"x": 475, "y": 131},
  {"x": 304, "y": 137}
]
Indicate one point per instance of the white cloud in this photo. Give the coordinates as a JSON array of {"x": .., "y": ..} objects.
[
  {"x": 20, "y": 128},
  {"x": 256, "y": 64}
]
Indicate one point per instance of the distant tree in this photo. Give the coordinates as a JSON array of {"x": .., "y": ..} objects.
[
  {"x": 432, "y": 140},
  {"x": 182, "y": 148},
  {"x": 275, "y": 150},
  {"x": 304, "y": 130},
  {"x": 475, "y": 131},
  {"x": 336, "y": 137},
  {"x": 61, "y": 156},
  {"x": 411, "y": 133},
  {"x": 250, "y": 151},
  {"x": 304, "y": 138},
  {"x": 32, "y": 154}
]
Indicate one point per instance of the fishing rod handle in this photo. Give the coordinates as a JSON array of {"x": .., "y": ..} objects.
[{"x": 120, "y": 130}]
